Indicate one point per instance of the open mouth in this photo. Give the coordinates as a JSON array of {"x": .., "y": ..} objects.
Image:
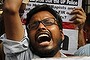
[{"x": 43, "y": 37}]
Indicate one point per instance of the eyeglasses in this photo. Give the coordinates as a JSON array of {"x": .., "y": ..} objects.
[{"x": 45, "y": 22}]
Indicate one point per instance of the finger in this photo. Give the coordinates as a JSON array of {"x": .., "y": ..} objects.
[
  {"x": 81, "y": 9},
  {"x": 78, "y": 12},
  {"x": 73, "y": 18},
  {"x": 77, "y": 16},
  {"x": 79, "y": 21}
]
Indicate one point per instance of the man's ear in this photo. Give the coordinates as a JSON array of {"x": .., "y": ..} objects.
[{"x": 62, "y": 34}]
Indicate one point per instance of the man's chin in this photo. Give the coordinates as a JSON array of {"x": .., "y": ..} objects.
[{"x": 46, "y": 52}]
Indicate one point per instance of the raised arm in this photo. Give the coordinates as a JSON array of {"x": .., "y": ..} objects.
[
  {"x": 13, "y": 25},
  {"x": 79, "y": 20}
]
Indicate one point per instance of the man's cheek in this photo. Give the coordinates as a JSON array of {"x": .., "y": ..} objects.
[{"x": 32, "y": 35}]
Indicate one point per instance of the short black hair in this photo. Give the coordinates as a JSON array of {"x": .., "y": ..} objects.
[{"x": 44, "y": 7}]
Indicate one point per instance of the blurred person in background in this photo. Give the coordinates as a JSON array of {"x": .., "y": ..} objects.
[{"x": 85, "y": 50}]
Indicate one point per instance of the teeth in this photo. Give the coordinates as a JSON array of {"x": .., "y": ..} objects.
[{"x": 43, "y": 35}]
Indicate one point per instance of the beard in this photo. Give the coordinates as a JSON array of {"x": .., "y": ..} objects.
[{"x": 45, "y": 52}]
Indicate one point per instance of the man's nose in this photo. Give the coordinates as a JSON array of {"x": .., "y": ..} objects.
[{"x": 41, "y": 27}]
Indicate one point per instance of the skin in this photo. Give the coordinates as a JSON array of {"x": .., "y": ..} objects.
[
  {"x": 13, "y": 26},
  {"x": 79, "y": 19},
  {"x": 50, "y": 48},
  {"x": 15, "y": 31}
]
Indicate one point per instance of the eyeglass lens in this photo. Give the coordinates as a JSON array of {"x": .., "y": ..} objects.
[{"x": 45, "y": 22}]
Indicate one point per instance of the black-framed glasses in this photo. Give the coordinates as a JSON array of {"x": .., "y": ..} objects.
[{"x": 45, "y": 22}]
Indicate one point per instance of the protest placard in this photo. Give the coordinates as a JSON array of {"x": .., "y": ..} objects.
[{"x": 63, "y": 7}]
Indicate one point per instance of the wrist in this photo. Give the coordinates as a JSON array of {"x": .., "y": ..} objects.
[{"x": 80, "y": 27}]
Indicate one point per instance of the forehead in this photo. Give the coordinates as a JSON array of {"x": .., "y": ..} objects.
[{"x": 41, "y": 15}]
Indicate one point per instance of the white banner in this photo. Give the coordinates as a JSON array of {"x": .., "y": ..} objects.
[
  {"x": 63, "y": 7},
  {"x": 71, "y": 44}
]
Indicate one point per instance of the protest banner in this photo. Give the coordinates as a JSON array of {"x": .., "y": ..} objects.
[{"x": 63, "y": 7}]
